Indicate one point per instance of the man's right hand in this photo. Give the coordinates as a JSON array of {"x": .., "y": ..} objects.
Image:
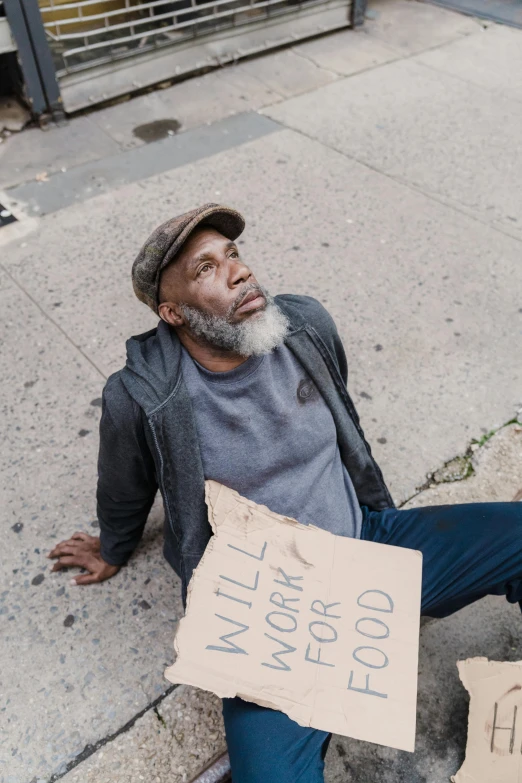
[{"x": 83, "y": 551}]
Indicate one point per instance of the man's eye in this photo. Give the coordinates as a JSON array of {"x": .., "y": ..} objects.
[{"x": 204, "y": 268}]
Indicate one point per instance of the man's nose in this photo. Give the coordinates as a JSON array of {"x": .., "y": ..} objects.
[{"x": 239, "y": 273}]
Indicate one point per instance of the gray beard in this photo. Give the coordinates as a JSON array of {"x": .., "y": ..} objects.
[{"x": 252, "y": 337}]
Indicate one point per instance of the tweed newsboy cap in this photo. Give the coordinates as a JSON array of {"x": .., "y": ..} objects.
[{"x": 168, "y": 239}]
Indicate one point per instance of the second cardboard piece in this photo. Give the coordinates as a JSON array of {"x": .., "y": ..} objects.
[
  {"x": 321, "y": 627},
  {"x": 494, "y": 747}
]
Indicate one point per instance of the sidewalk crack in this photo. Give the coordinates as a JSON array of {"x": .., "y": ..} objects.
[
  {"x": 311, "y": 60},
  {"x": 460, "y": 467},
  {"x": 89, "y": 750},
  {"x": 54, "y": 323},
  {"x": 439, "y": 199}
]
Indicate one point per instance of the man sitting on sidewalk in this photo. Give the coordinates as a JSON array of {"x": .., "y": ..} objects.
[{"x": 249, "y": 390}]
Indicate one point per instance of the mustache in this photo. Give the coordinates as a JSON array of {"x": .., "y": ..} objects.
[{"x": 247, "y": 289}]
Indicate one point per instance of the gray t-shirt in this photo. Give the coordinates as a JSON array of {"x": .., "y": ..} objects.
[{"x": 265, "y": 431}]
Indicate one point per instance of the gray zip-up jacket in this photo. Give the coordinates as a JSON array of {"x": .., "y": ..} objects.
[{"x": 148, "y": 438}]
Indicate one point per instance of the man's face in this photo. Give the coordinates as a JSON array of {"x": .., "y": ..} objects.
[
  {"x": 210, "y": 276},
  {"x": 211, "y": 297}
]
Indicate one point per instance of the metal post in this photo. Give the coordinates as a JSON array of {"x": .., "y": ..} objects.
[
  {"x": 358, "y": 12},
  {"x": 43, "y": 92},
  {"x": 43, "y": 57},
  {"x": 33, "y": 87},
  {"x": 218, "y": 771}
]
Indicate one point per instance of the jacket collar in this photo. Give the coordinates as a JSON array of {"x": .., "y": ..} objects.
[{"x": 152, "y": 372}]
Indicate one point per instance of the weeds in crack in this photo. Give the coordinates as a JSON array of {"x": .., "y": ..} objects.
[
  {"x": 488, "y": 435},
  {"x": 160, "y": 717},
  {"x": 461, "y": 467}
]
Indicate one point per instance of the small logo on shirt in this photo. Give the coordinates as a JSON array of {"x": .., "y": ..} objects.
[{"x": 306, "y": 391}]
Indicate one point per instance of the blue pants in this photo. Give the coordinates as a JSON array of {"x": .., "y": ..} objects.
[{"x": 469, "y": 551}]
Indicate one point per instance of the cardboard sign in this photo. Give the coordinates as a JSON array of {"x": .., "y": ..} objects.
[
  {"x": 494, "y": 748},
  {"x": 321, "y": 627}
]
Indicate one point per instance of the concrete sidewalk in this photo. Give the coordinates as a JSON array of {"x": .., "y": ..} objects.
[
  {"x": 171, "y": 742},
  {"x": 379, "y": 171}
]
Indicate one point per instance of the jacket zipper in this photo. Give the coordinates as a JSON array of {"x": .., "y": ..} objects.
[{"x": 161, "y": 481}]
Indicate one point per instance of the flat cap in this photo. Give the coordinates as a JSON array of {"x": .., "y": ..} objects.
[{"x": 167, "y": 240}]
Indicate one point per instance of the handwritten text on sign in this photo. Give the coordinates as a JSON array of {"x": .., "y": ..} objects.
[
  {"x": 321, "y": 627},
  {"x": 494, "y": 745},
  {"x": 285, "y": 620}
]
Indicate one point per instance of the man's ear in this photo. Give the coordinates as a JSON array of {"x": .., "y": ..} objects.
[{"x": 171, "y": 314}]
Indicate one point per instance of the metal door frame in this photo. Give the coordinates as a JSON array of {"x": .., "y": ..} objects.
[{"x": 41, "y": 86}]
